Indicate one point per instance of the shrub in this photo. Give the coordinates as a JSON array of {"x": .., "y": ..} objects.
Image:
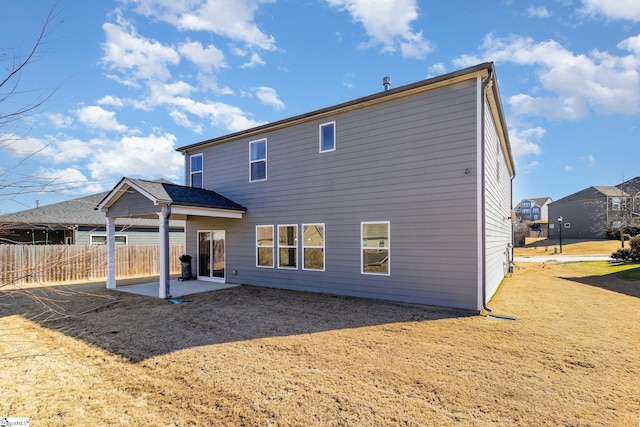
[
  {"x": 622, "y": 255},
  {"x": 634, "y": 243},
  {"x": 631, "y": 254},
  {"x": 626, "y": 237}
]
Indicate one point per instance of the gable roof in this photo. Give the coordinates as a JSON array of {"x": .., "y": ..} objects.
[
  {"x": 540, "y": 201},
  {"x": 485, "y": 70},
  {"x": 593, "y": 192},
  {"x": 80, "y": 211},
  {"x": 167, "y": 193},
  {"x": 631, "y": 186}
]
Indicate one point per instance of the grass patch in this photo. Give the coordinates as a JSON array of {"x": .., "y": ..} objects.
[{"x": 623, "y": 271}]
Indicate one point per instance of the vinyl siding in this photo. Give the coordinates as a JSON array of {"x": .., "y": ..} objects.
[
  {"x": 401, "y": 161},
  {"x": 498, "y": 226},
  {"x": 134, "y": 236},
  {"x": 132, "y": 205}
]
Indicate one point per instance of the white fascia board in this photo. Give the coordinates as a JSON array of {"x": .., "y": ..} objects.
[{"x": 210, "y": 212}]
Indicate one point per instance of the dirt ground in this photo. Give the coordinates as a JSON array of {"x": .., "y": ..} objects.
[
  {"x": 249, "y": 356},
  {"x": 570, "y": 247}
]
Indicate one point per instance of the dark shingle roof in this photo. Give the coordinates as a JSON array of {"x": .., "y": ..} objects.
[
  {"x": 80, "y": 211},
  {"x": 169, "y": 193}
]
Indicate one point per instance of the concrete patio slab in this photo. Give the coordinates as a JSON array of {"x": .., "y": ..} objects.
[{"x": 177, "y": 288}]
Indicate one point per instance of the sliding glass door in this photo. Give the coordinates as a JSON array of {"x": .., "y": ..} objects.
[{"x": 211, "y": 256}]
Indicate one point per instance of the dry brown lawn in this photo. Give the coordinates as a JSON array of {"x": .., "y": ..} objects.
[{"x": 248, "y": 356}]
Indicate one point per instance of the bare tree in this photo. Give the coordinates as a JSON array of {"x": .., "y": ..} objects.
[{"x": 17, "y": 105}]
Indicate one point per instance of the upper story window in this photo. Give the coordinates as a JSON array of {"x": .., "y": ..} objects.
[
  {"x": 616, "y": 203},
  {"x": 258, "y": 160},
  {"x": 526, "y": 204},
  {"x": 196, "y": 170},
  {"x": 327, "y": 137}
]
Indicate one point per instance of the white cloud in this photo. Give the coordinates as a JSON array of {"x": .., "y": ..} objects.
[
  {"x": 111, "y": 101},
  {"x": 20, "y": 146},
  {"x": 436, "y": 69},
  {"x": 613, "y": 9},
  {"x": 524, "y": 141},
  {"x": 232, "y": 19},
  {"x": 388, "y": 23},
  {"x": 134, "y": 56},
  {"x": 60, "y": 121},
  {"x": 68, "y": 181},
  {"x": 181, "y": 119},
  {"x": 218, "y": 113},
  {"x": 590, "y": 160},
  {"x": 269, "y": 96},
  {"x": 97, "y": 117},
  {"x": 254, "y": 59},
  {"x": 632, "y": 44},
  {"x": 144, "y": 156},
  {"x": 206, "y": 59},
  {"x": 54, "y": 149},
  {"x": 575, "y": 83},
  {"x": 537, "y": 12},
  {"x": 529, "y": 167}
]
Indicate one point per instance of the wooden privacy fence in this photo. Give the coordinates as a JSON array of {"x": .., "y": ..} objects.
[{"x": 21, "y": 264}]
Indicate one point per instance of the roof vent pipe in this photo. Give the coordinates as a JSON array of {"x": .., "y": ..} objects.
[{"x": 386, "y": 81}]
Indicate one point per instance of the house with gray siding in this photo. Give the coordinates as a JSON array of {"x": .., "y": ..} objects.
[
  {"x": 76, "y": 222},
  {"x": 597, "y": 211},
  {"x": 403, "y": 195}
]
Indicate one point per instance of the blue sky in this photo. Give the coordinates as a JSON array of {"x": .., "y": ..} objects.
[{"x": 128, "y": 81}]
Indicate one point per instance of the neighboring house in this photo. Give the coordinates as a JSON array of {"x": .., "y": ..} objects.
[
  {"x": 596, "y": 211},
  {"x": 403, "y": 195},
  {"x": 531, "y": 219},
  {"x": 76, "y": 222},
  {"x": 533, "y": 209}
]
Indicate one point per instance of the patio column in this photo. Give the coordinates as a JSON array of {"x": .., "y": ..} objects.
[
  {"x": 165, "y": 279},
  {"x": 111, "y": 253}
]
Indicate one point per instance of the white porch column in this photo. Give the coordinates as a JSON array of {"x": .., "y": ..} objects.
[
  {"x": 111, "y": 253},
  {"x": 165, "y": 279}
]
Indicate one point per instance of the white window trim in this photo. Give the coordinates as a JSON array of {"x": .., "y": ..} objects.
[
  {"x": 335, "y": 136},
  {"x": 324, "y": 243},
  {"x": 362, "y": 247},
  {"x": 191, "y": 170},
  {"x": 251, "y": 161},
  {"x": 117, "y": 236},
  {"x": 273, "y": 247},
  {"x": 286, "y": 246}
]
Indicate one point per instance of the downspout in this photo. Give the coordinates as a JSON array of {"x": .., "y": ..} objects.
[{"x": 483, "y": 247}]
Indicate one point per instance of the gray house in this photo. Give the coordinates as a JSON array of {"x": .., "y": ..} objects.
[
  {"x": 76, "y": 222},
  {"x": 595, "y": 211},
  {"x": 403, "y": 195}
]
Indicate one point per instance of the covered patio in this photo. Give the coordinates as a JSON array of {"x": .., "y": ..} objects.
[
  {"x": 178, "y": 288},
  {"x": 137, "y": 198}
]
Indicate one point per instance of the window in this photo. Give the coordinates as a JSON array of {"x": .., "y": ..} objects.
[
  {"x": 258, "y": 160},
  {"x": 375, "y": 248},
  {"x": 327, "y": 137},
  {"x": 264, "y": 246},
  {"x": 616, "y": 203},
  {"x": 288, "y": 246},
  {"x": 313, "y": 247},
  {"x": 101, "y": 239},
  {"x": 196, "y": 171}
]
